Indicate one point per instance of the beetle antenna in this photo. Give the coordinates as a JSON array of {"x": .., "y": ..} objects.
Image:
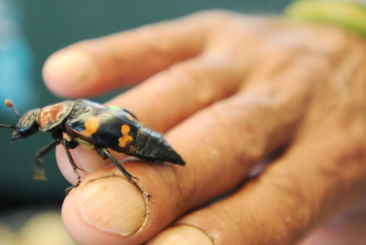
[{"x": 10, "y": 104}]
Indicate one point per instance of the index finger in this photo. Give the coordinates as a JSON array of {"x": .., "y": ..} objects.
[{"x": 96, "y": 66}]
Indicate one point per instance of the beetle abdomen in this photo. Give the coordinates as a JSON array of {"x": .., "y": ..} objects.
[
  {"x": 151, "y": 145},
  {"x": 118, "y": 130}
]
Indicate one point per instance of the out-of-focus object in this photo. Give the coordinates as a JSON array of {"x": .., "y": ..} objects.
[
  {"x": 15, "y": 57},
  {"x": 7, "y": 237},
  {"x": 349, "y": 14},
  {"x": 44, "y": 228}
]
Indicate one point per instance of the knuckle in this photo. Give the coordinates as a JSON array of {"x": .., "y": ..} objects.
[
  {"x": 295, "y": 204},
  {"x": 315, "y": 72},
  {"x": 341, "y": 152},
  {"x": 245, "y": 129},
  {"x": 149, "y": 34},
  {"x": 193, "y": 80},
  {"x": 350, "y": 164}
]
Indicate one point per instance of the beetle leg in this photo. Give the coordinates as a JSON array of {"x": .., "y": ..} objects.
[
  {"x": 71, "y": 145},
  {"x": 38, "y": 166},
  {"x": 104, "y": 153},
  {"x": 127, "y": 111}
]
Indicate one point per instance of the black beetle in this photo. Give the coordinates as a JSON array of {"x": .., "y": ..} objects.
[{"x": 93, "y": 126}]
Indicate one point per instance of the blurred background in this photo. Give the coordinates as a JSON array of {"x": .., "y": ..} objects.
[{"x": 30, "y": 31}]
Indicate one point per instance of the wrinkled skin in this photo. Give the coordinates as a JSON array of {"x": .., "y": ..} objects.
[{"x": 228, "y": 91}]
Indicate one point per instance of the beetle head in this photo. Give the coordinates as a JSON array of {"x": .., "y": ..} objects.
[{"x": 27, "y": 124}]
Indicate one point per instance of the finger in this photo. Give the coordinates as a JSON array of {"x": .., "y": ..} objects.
[
  {"x": 93, "y": 67},
  {"x": 295, "y": 194},
  {"x": 200, "y": 82},
  {"x": 215, "y": 156},
  {"x": 171, "y": 96},
  {"x": 167, "y": 99}
]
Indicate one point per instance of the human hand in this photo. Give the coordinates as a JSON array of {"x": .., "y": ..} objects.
[{"x": 228, "y": 91}]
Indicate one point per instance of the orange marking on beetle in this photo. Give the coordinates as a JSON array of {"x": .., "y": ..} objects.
[
  {"x": 91, "y": 126},
  {"x": 50, "y": 114},
  {"x": 125, "y": 139}
]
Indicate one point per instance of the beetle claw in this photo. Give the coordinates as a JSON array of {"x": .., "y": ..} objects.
[
  {"x": 39, "y": 174},
  {"x": 39, "y": 160},
  {"x": 68, "y": 189},
  {"x": 77, "y": 168}
]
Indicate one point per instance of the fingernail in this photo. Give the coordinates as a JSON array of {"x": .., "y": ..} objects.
[
  {"x": 182, "y": 235},
  {"x": 111, "y": 204},
  {"x": 74, "y": 68}
]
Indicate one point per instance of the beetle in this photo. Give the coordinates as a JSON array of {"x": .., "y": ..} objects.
[{"x": 92, "y": 126}]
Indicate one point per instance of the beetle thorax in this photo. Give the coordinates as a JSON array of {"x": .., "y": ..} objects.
[{"x": 53, "y": 115}]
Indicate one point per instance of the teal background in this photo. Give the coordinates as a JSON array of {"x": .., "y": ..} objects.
[{"x": 49, "y": 25}]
